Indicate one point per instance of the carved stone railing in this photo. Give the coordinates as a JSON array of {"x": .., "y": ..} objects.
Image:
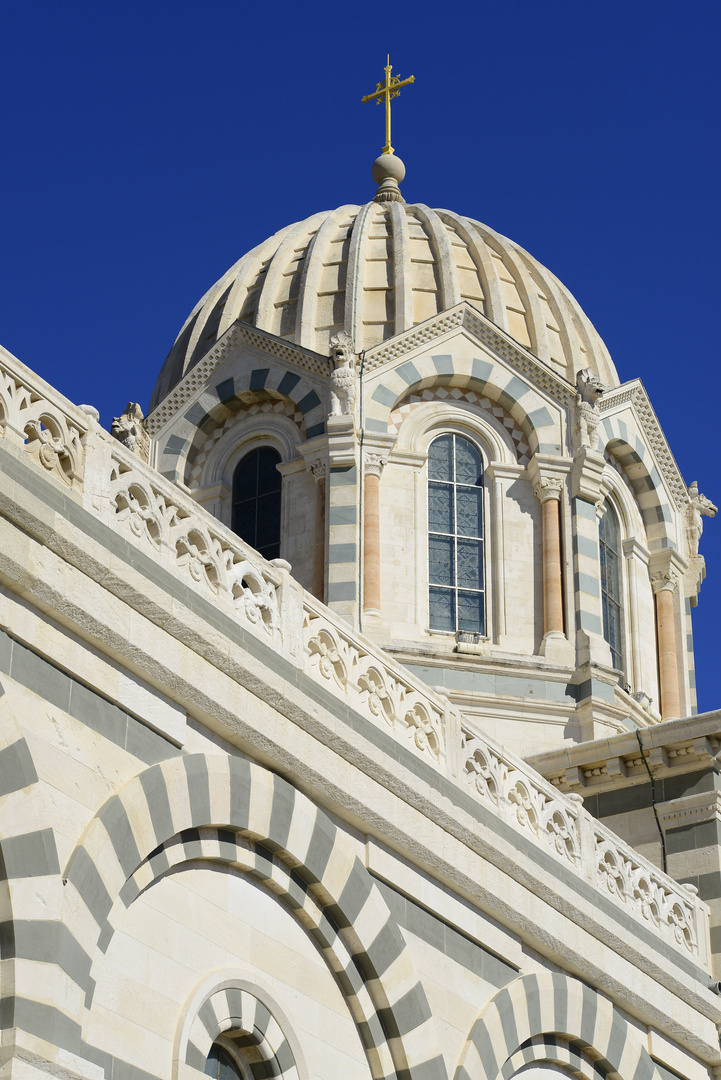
[
  {"x": 159, "y": 519},
  {"x": 372, "y": 683},
  {"x": 46, "y": 424}
]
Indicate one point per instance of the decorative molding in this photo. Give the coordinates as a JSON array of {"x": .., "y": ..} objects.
[
  {"x": 548, "y": 487},
  {"x": 238, "y": 334},
  {"x": 636, "y": 396},
  {"x": 464, "y": 316},
  {"x": 373, "y": 464}
]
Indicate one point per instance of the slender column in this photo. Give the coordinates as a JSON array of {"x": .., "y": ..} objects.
[
  {"x": 636, "y": 556},
  {"x": 499, "y": 598},
  {"x": 664, "y": 585},
  {"x": 318, "y": 469},
  {"x": 373, "y": 466},
  {"x": 548, "y": 492}
]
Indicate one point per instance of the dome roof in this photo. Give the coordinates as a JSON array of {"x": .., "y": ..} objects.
[{"x": 378, "y": 269}]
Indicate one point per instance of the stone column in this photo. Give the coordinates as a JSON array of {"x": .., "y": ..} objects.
[
  {"x": 548, "y": 491},
  {"x": 372, "y": 468},
  {"x": 318, "y": 469},
  {"x": 663, "y": 583}
]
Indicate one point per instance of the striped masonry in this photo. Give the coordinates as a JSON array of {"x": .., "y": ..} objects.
[
  {"x": 550, "y": 1005},
  {"x": 219, "y": 401},
  {"x": 249, "y": 1025},
  {"x": 623, "y": 441},
  {"x": 538, "y": 418},
  {"x": 171, "y": 812}
]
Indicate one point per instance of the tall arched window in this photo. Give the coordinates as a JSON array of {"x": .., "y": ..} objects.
[
  {"x": 610, "y": 556},
  {"x": 455, "y": 535},
  {"x": 256, "y": 501},
  {"x": 220, "y": 1065}
]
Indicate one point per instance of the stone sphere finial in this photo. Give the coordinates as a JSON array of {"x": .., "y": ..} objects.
[{"x": 388, "y": 171}]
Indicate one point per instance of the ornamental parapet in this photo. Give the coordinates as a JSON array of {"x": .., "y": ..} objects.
[{"x": 157, "y": 519}]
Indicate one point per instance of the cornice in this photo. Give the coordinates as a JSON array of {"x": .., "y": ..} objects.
[
  {"x": 671, "y": 748},
  {"x": 236, "y": 335},
  {"x": 634, "y": 393}
]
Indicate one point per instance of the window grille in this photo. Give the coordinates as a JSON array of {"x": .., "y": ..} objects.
[
  {"x": 256, "y": 501},
  {"x": 610, "y": 556}
]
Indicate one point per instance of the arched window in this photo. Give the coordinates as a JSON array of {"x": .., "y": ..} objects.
[
  {"x": 455, "y": 535},
  {"x": 220, "y": 1065},
  {"x": 256, "y": 501},
  {"x": 610, "y": 556}
]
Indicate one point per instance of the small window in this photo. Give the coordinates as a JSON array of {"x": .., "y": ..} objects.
[
  {"x": 256, "y": 501},
  {"x": 455, "y": 535},
  {"x": 220, "y": 1065},
  {"x": 609, "y": 553}
]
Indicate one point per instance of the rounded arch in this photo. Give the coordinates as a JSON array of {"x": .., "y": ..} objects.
[
  {"x": 540, "y": 419},
  {"x": 434, "y": 417},
  {"x": 263, "y": 429},
  {"x": 620, "y": 440},
  {"x": 295, "y": 849},
  {"x": 233, "y": 1005},
  {"x": 550, "y": 1004}
]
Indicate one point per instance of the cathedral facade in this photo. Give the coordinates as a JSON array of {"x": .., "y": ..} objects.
[{"x": 348, "y": 711}]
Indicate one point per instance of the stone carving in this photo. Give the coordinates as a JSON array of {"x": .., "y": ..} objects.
[
  {"x": 53, "y": 445},
  {"x": 343, "y": 375},
  {"x": 548, "y": 487},
  {"x": 129, "y": 429},
  {"x": 589, "y": 389},
  {"x": 635, "y": 884},
  {"x": 372, "y": 684},
  {"x": 698, "y": 508},
  {"x": 663, "y": 580},
  {"x": 373, "y": 464},
  {"x": 317, "y": 467},
  {"x": 192, "y": 543},
  {"x": 525, "y": 800}
]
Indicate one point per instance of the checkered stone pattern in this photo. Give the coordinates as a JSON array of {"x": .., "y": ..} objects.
[
  {"x": 163, "y": 817},
  {"x": 470, "y": 397},
  {"x": 523, "y": 1021},
  {"x": 249, "y": 1025},
  {"x": 279, "y": 408}
]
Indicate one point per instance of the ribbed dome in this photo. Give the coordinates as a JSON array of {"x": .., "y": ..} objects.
[{"x": 378, "y": 269}]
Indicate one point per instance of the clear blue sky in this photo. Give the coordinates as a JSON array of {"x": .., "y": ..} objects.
[{"x": 148, "y": 146}]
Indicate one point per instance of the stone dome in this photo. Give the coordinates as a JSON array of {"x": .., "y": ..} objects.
[{"x": 378, "y": 269}]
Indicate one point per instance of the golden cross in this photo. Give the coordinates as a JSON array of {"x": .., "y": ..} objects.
[{"x": 385, "y": 91}]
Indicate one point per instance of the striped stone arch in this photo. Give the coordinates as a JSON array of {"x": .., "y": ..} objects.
[
  {"x": 229, "y": 810},
  {"x": 549, "y": 1017},
  {"x": 229, "y": 394},
  {"x": 620, "y": 438},
  {"x": 541, "y": 425},
  {"x": 248, "y": 1025}
]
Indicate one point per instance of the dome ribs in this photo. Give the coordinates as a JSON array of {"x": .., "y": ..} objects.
[
  {"x": 494, "y": 305},
  {"x": 403, "y": 270},
  {"x": 354, "y": 277},
  {"x": 450, "y": 292},
  {"x": 278, "y": 292},
  {"x": 314, "y": 283}
]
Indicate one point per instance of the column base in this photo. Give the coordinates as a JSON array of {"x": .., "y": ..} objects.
[{"x": 557, "y": 648}]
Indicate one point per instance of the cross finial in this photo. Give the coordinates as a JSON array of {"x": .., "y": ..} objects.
[{"x": 385, "y": 91}]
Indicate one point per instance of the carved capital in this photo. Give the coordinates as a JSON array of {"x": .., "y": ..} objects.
[
  {"x": 373, "y": 464},
  {"x": 318, "y": 467},
  {"x": 548, "y": 487},
  {"x": 664, "y": 581}
]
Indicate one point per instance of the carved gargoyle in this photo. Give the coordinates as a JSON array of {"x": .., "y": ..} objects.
[
  {"x": 343, "y": 375},
  {"x": 589, "y": 389},
  {"x": 129, "y": 429},
  {"x": 698, "y": 508}
]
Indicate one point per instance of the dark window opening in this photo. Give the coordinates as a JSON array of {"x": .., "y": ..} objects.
[
  {"x": 610, "y": 555},
  {"x": 256, "y": 501}
]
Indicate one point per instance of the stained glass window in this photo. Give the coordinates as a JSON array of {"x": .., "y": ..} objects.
[
  {"x": 609, "y": 552},
  {"x": 256, "y": 501},
  {"x": 455, "y": 535}
]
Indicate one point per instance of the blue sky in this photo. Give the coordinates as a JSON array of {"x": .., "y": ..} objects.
[{"x": 148, "y": 146}]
